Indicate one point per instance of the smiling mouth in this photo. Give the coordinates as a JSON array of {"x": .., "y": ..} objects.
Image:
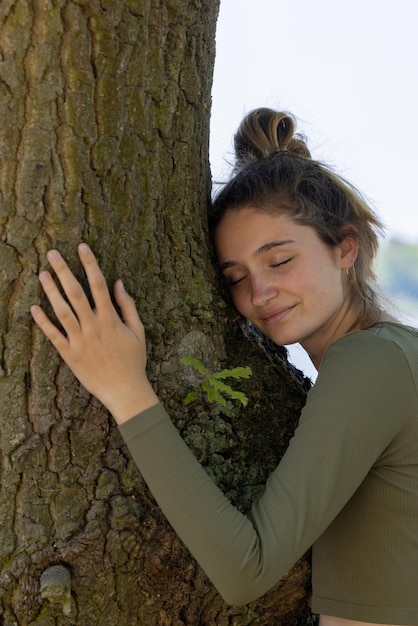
[{"x": 276, "y": 316}]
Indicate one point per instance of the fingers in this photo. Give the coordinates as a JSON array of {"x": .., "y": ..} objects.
[
  {"x": 61, "y": 308},
  {"x": 50, "y": 331},
  {"x": 96, "y": 280},
  {"x": 127, "y": 308},
  {"x": 72, "y": 289},
  {"x": 77, "y": 314}
]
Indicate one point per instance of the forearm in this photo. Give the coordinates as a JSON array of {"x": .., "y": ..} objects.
[{"x": 222, "y": 540}]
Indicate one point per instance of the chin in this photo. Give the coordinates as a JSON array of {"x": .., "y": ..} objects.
[{"x": 282, "y": 339}]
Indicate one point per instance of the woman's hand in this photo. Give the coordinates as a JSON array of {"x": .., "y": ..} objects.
[{"x": 105, "y": 353}]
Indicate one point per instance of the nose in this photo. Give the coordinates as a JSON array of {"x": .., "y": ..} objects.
[{"x": 261, "y": 291}]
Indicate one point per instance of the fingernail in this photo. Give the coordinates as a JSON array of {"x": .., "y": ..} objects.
[
  {"x": 121, "y": 285},
  {"x": 44, "y": 277},
  {"x": 83, "y": 248},
  {"x": 53, "y": 255}
]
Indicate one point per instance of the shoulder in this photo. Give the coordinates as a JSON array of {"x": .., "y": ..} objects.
[
  {"x": 373, "y": 370},
  {"x": 365, "y": 389},
  {"x": 376, "y": 349}
]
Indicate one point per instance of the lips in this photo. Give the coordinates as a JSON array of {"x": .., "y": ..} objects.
[{"x": 276, "y": 316}]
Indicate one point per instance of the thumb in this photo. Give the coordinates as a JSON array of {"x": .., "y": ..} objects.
[{"x": 127, "y": 308}]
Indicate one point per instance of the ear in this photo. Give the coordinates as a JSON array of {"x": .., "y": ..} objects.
[{"x": 348, "y": 247}]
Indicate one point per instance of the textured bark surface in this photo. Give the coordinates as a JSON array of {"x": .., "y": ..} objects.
[{"x": 104, "y": 137}]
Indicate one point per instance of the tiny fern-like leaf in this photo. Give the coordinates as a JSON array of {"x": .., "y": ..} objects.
[
  {"x": 189, "y": 398},
  {"x": 189, "y": 360},
  {"x": 237, "y": 372},
  {"x": 241, "y": 397},
  {"x": 212, "y": 383}
]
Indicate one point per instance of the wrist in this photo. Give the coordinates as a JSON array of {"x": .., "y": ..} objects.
[{"x": 129, "y": 404}]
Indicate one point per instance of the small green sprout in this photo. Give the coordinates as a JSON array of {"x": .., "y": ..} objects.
[{"x": 213, "y": 385}]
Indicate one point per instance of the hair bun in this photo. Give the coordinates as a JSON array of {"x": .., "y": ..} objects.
[{"x": 265, "y": 131}]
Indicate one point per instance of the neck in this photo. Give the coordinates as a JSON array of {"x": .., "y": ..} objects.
[{"x": 344, "y": 321}]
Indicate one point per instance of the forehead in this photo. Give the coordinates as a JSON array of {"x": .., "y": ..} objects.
[{"x": 254, "y": 229}]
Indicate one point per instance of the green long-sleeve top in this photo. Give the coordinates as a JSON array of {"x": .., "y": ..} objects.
[{"x": 347, "y": 485}]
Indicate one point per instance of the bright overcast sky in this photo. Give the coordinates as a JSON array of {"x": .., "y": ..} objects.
[{"x": 347, "y": 71}]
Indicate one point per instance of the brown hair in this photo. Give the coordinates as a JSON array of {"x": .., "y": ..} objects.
[{"x": 274, "y": 173}]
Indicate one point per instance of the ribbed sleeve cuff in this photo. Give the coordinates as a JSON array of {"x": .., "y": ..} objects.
[{"x": 140, "y": 423}]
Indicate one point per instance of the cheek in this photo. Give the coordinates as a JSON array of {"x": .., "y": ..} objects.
[
  {"x": 331, "y": 292},
  {"x": 304, "y": 283},
  {"x": 321, "y": 288},
  {"x": 242, "y": 299},
  {"x": 239, "y": 300}
]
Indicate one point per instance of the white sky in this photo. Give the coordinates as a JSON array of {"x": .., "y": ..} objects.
[{"x": 347, "y": 71}]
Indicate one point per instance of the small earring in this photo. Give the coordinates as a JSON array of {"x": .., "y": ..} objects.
[{"x": 352, "y": 280}]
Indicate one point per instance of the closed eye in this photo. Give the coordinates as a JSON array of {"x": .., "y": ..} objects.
[
  {"x": 232, "y": 283},
  {"x": 281, "y": 262}
]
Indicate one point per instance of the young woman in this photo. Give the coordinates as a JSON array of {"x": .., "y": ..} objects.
[{"x": 295, "y": 243}]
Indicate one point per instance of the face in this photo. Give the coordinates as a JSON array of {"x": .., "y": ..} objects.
[{"x": 284, "y": 279}]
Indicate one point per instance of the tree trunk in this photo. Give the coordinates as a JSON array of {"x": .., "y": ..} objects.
[{"x": 104, "y": 137}]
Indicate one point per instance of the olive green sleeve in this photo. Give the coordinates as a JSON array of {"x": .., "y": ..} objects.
[{"x": 349, "y": 419}]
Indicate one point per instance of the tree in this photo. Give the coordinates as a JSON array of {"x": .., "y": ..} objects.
[{"x": 105, "y": 110}]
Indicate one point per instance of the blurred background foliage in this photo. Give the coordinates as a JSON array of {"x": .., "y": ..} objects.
[{"x": 397, "y": 270}]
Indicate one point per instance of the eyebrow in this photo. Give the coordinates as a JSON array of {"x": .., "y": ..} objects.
[{"x": 261, "y": 250}]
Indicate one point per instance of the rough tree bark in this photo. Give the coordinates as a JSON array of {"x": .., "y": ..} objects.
[{"x": 104, "y": 137}]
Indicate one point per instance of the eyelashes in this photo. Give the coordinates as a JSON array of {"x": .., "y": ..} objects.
[
  {"x": 281, "y": 263},
  {"x": 233, "y": 283}
]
